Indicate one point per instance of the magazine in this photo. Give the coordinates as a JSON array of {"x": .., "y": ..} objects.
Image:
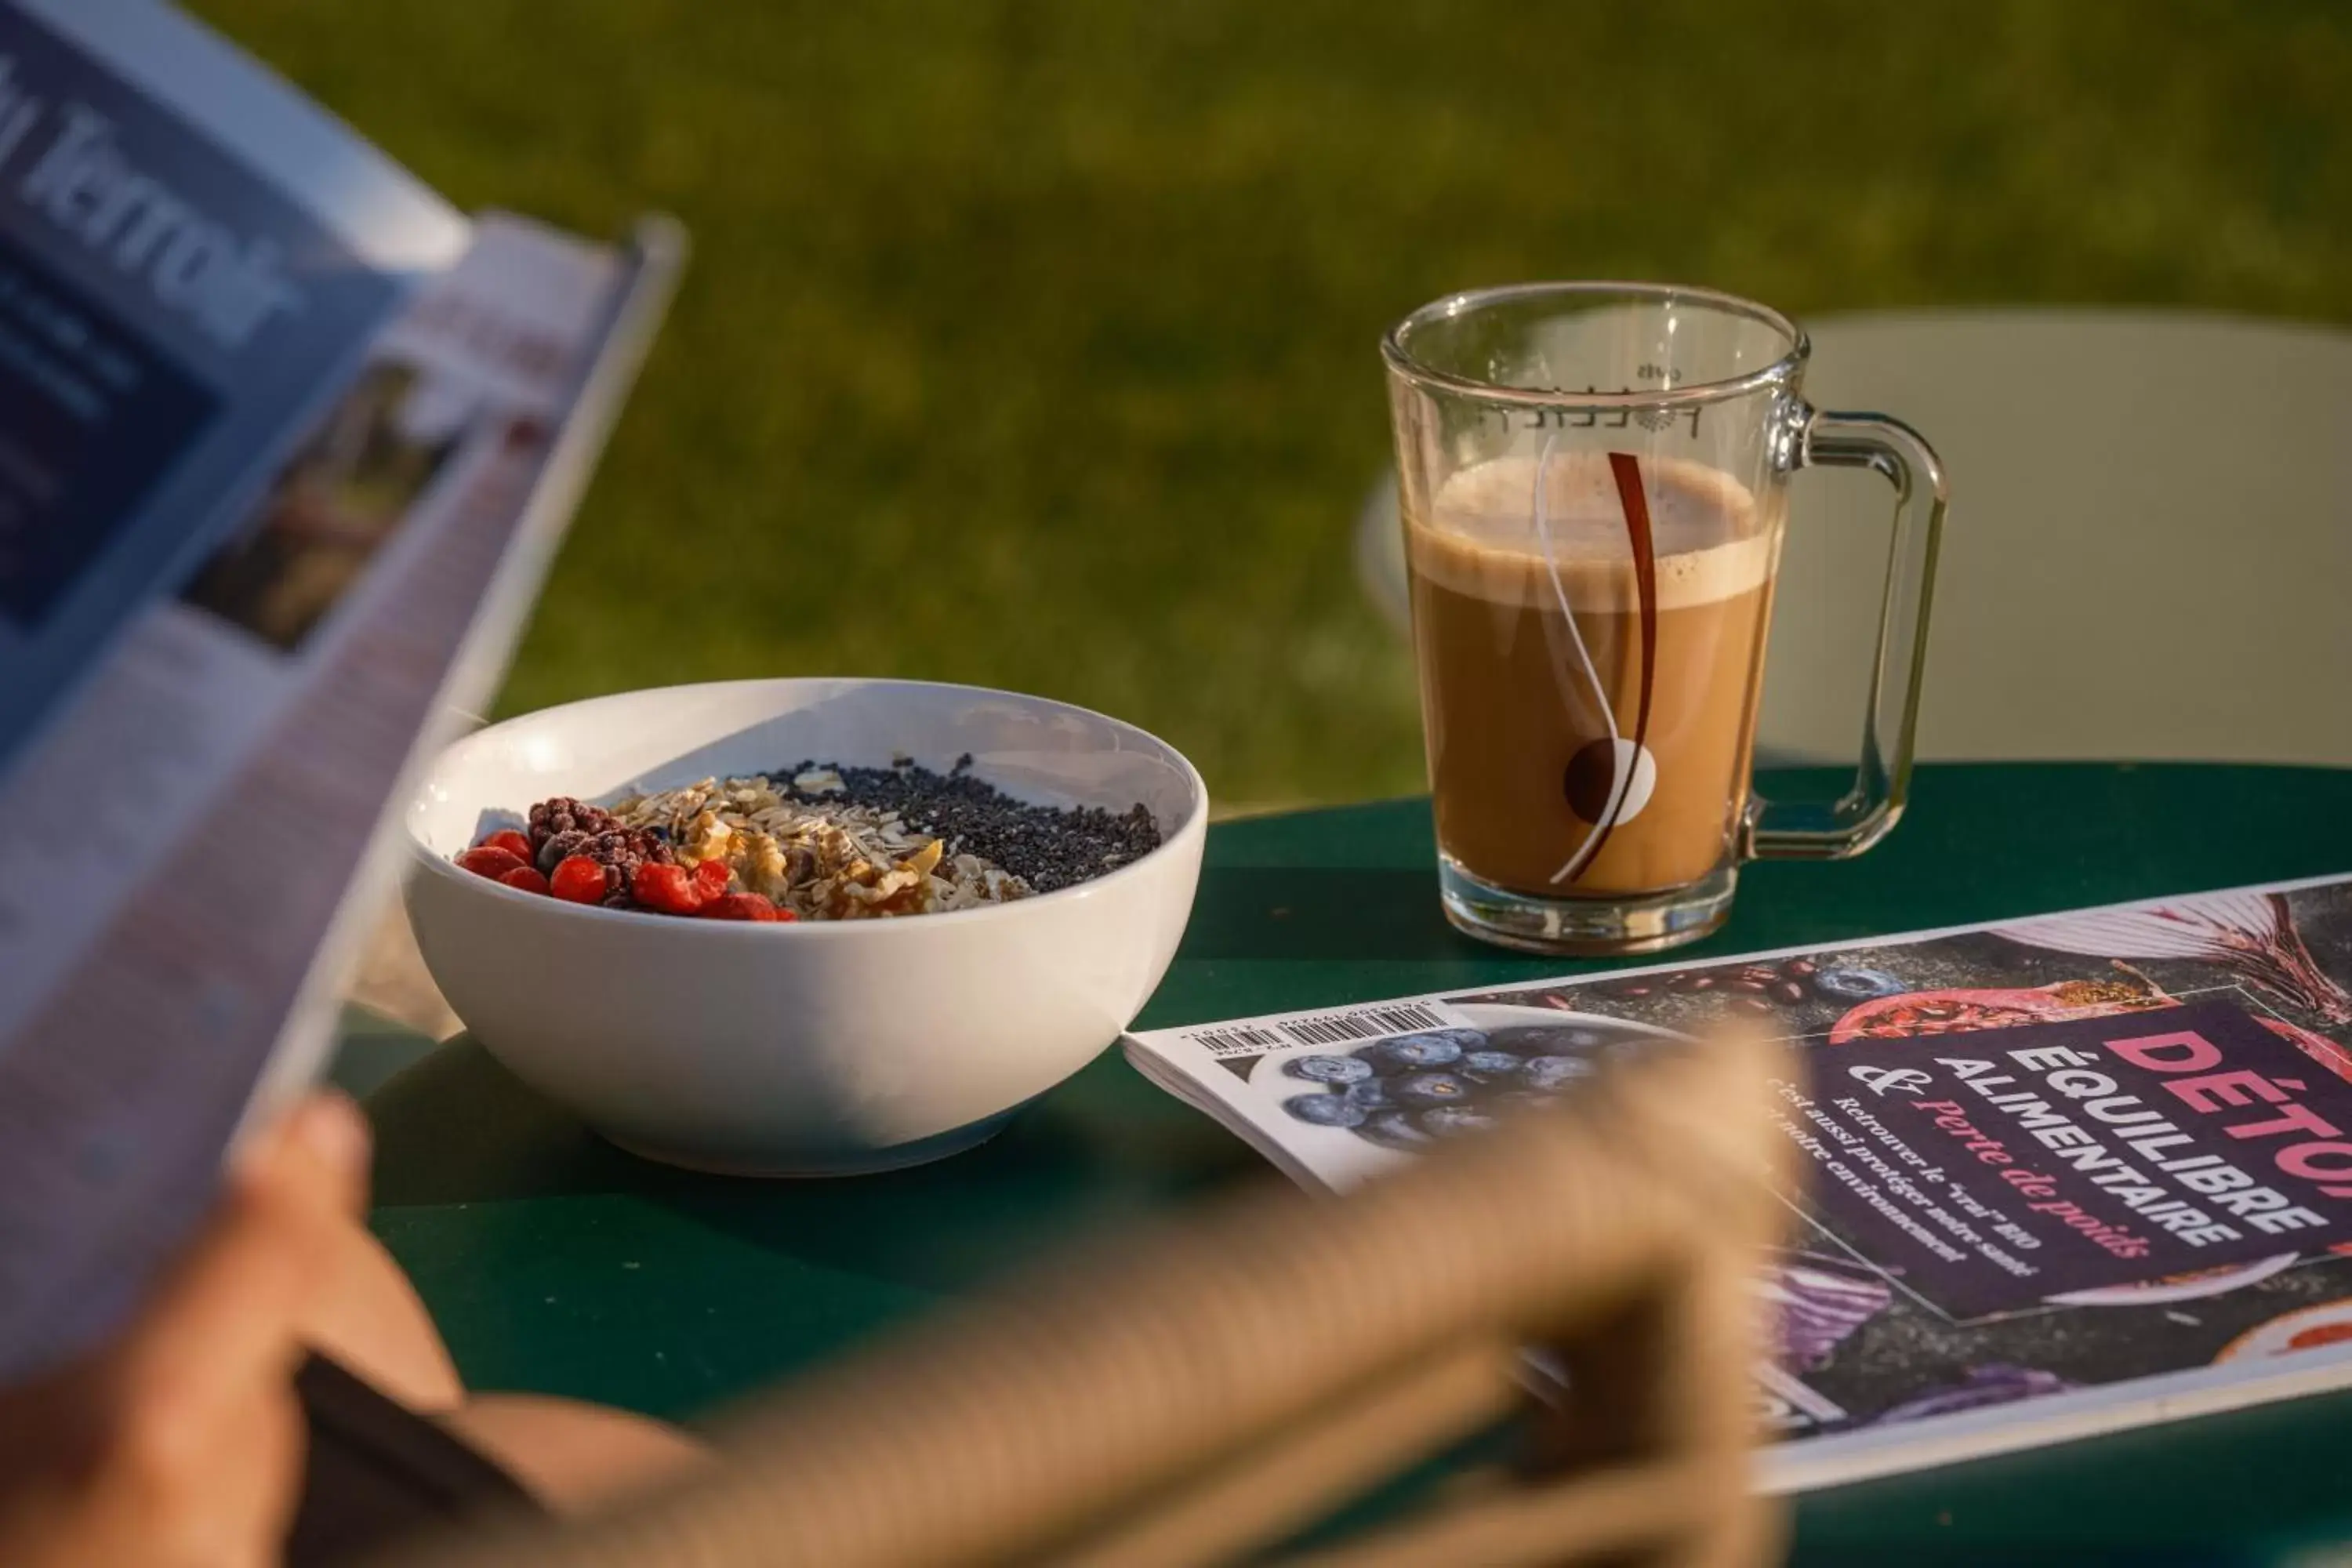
[
  {"x": 285, "y": 444},
  {"x": 2059, "y": 1175}
]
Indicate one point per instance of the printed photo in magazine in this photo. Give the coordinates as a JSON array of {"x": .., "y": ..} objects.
[
  {"x": 2061, "y": 1174},
  {"x": 332, "y": 507}
]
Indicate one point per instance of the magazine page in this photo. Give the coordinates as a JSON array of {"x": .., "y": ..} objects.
[
  {"x": 192, "y": 256},
  {"x": 266, "y": 712},
  {"x": 2059, "y": 1175}
]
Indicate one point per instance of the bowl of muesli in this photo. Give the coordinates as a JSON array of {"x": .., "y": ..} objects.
[{"x": 807, "y": 927}]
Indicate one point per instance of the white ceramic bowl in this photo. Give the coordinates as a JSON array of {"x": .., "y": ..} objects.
[{"x": 818, "y": 1048}]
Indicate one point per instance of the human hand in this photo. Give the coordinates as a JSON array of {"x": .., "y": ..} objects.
[{"x": 179, "y": 1444}]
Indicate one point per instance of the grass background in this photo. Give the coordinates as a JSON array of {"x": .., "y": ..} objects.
[{"x": 1033, "y": 344}]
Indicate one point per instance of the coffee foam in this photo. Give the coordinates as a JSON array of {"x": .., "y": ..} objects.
[{"x": 1712, "y": 542}]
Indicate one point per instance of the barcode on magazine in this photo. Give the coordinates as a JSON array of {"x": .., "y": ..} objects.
[{"x": 1329, "y": 1029}]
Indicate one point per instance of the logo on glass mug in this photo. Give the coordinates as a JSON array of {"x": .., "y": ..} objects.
[{"x": 1610, "y": 780}]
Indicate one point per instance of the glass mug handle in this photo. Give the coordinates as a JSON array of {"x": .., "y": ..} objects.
[{"x": 1833, "y": 830}]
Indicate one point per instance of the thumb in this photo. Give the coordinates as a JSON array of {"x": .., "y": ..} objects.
[
  {"x": 315, "y": 1154},
  {"x": 227, "y": 1312}
]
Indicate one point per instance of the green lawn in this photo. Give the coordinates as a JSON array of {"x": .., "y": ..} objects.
[{"x": 1033, "y": 345}]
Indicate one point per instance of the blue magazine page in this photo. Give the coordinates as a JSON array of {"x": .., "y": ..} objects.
[{"x": 191, "y": 258}]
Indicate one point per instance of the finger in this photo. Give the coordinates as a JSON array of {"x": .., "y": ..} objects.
[
  {"x": 367, "y": 1317},
  {"x": 200, "y": 1456},
  {"x": 318, "y": 1149},
  {"x": 235, "y": 1506}
]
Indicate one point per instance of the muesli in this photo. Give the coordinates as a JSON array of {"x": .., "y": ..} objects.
[{"x": 817, "y": 841}]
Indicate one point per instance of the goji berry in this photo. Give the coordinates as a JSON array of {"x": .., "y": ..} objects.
[
  {"x": 739, "y": 907},
  {"x": 711, "y": 879},
  {"x": 579, "y": 881},
  {"x": 527, "y": 879},
  {"x": 486, "y": 860},
  {"x": 513, "y": 843},
  {"x": 665, "y": 887}
]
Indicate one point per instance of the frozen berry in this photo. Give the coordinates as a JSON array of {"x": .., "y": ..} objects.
[
  {"x": 486, "y": 861},
  {"x": 620, "y": 851},
  {"x": 711, "y": 879},
  {"x": 513, "y": 843},
  {"x": 558, "y": 847},
  {"x": 563, "y": 814},
  {"x": 739, "y": 907},
  {"x": 1446, "y": 1119},
  {"x": 579, "y": 881},
  {"x": 668, "y": 889},
  {"x": 525, "y": 879}
]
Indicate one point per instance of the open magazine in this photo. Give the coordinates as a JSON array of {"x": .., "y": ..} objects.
[
  {"x": 2060, "y": 1175},
  {"x": 286, "y": 444}
]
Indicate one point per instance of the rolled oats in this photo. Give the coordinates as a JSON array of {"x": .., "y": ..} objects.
[{"x": 822, "y": 858}]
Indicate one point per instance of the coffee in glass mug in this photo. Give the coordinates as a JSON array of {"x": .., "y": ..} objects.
[{"x": 1594, "y": 479}]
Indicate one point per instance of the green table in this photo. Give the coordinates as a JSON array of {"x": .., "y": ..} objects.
[{"x": 555, "y": 1263}]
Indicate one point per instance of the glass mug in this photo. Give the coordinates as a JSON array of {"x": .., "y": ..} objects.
[{"x": 1593, "y": 479}]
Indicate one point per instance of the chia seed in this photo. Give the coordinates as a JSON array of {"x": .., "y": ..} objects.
[{"x": 1047, "y": 846}]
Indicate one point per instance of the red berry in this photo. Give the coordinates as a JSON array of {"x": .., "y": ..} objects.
[
  {"x": 526, "y": 878},
  {"x": 740, "y": 907},
  {"x": 579, "y": 881},
  {"x": 665, "y": 887},
  {"x": 711, "y": 879},
  {"x": 783, "y": 914},
  {"x": 513, "y": 843},
  {"x": 486, "y": 860}
]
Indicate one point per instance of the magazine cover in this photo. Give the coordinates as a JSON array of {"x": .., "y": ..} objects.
[{"x": 2062, "y": 1174}]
